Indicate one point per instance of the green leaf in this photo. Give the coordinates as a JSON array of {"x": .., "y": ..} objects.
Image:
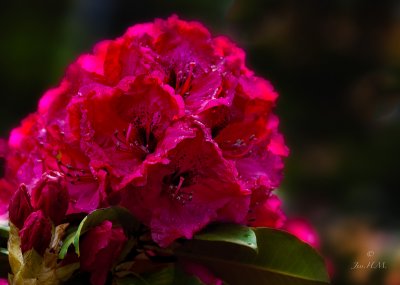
[
  {"x": 167, "y": 276},
  {"x": 117, "y": 215},
  {"x": 66, "y": 244},
  {"x": 230, "y": 233},
  {"x": 281, "y": 259}
]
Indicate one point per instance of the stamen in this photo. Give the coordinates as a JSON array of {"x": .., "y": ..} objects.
[
  {"x": 138, "y": 137},
  {"x": 75, "y": 175},
  {"x": 186, "y": 84},
  {"x": 122, "y": 143},
  {"x": 181, "y": 179},
  {"x": 175, "y": 191}
]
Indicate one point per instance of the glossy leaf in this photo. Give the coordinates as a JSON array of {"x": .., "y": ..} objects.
[
  {"x": 167, "y": 276},
  {"x": 230, "y": 233},
  {"x": 281, "y": 259},
  {"x": 117, "y": 215}
]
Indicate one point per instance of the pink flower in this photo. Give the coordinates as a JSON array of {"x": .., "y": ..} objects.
[
  {"x": 265, "y": 211},
  {"x": 6, "y": 188},
  {"x": 165, "y": 120},
  {"x": 100, "y": 247},
  {"x": 36, "y": 233},
  {"x": 50, "y": 195},
  {"x": 3, "y": 281},
  {"x": 304, "y": 231},
  {"x": 186, "y": 189},
  {"x": 36, "y": 148},
  {"x": 20, "y": 207}
]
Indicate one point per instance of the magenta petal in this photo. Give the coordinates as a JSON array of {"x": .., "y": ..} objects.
[
  {"x": 265, "y": 169},
  {"x": 36, "y": 233},
  {"x": 94, "y": 241},
  {"x": 6, "y": 192},
  {"x": 185, "y": 192},
  {"x": 50, "y": 194},
  {"x": 304, "y": 231},
  {"x": 170, "y": 222},
  {"x": 120, "y": 128},
  {"x": 83, "y": 197},
  {"x": 267, "y": 213},
  {"x": 100, "y": 247},
  {"x": 257, "y": 87},
  {"x": 204, "y": 89},
  {"x": 20, "y": 206}
]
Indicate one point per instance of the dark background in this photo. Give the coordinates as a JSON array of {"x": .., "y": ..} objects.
[{"x": 335, "y": 64}]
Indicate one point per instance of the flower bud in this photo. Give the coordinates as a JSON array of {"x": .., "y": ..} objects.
[
  {"x": 100, "y": 247},
  {"x": 50, "y": 195},
  {"x": 36, "y": 233},
  {"x": 20, "y": 206}
]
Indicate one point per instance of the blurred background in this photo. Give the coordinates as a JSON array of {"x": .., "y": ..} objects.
[{"x": 336, "y": 65}]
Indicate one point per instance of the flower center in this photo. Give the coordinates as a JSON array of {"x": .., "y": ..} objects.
[
  {"x": 175, "y": 184},
  {"x": 182, "y": 85},
  {"x": 137, "y": 138}
]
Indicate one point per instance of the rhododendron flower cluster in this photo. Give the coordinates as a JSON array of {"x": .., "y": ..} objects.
[{"x": 165, "y": 121}]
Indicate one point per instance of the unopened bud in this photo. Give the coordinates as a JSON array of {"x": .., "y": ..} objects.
[
  {"x": 50, "y": 195},
  {"x": 20, "y": 206},
  {"x": 36, "y": 233}
]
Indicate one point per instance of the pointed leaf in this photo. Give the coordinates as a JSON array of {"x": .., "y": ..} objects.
[
  {"x": 231, "y": 233},
  {"x": 281, "y": 259},
  {"x": 66, "y": 244}
]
